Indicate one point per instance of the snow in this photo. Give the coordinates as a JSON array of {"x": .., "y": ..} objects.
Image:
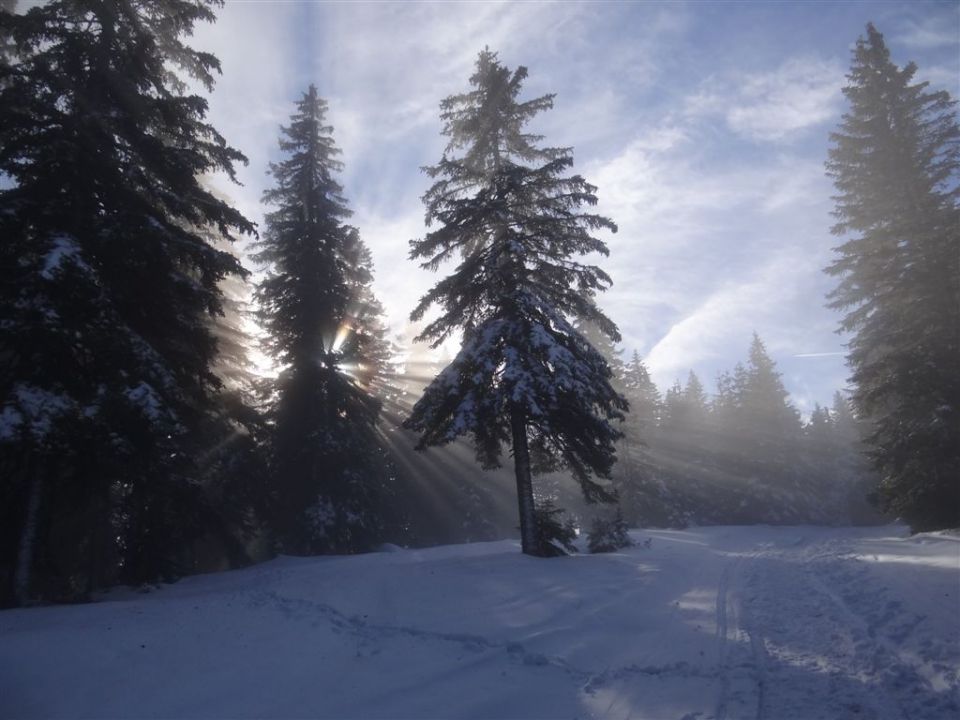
[
  {"x": 722, "y": 622},
  {"x": 33, "y": 406},
  {"x": 151, "y": 405},
  {"x": 10, "y": 422},
  {"x": 63, "y": 247}
]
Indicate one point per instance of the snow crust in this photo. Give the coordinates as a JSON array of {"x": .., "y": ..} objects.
[{"x": 725, "y": 622}]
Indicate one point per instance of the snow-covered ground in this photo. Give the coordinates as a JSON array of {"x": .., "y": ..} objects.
[{"x": 723, "y": 622}]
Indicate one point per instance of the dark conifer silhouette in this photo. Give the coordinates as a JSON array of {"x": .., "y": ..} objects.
[
  {"x": 323, "y": 330},
  {"x": 107, "y": 288}
]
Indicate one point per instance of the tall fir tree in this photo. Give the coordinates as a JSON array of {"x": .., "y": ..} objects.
[
  {"x": 323, "y": 330},
  {"x": 524, "y": 376},
  {"x": 768, "y": 434},
  {"x": 765, "y": 402},
  {"x": 106, "y": 291},
  {"x": 894, "y": 161}
]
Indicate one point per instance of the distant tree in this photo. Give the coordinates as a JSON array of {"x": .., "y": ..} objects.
[
  {"x": 820, "y": 427},
  {"x": 894, "y": 161},
  {"x": 694, "y": 395},
  {"x": 106, "y": 290},
  {"x": 685, "y": 408},
  {"x": 323, "y": 330},
  {"x": 725, "y": 402},
  {"x": 642, "y": 394},
  {"x": 524, "y": 375},
  {"x": 636, "y": 476},
  {"x": 846, "y": 429},
  {"x": 768, "y": 431},
  {"x": 673, "y": 407},
  {"x": 602, "y": 343},
  {"x": 764, "y": 399},
  {"x": 852, "y": 463}
]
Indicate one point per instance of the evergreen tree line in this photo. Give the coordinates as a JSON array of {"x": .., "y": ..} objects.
[
  {"x": 742, "y": 455},
  {"x": 135, "y": 446}
]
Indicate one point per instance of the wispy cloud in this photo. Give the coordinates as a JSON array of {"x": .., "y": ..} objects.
[
  {"x": 941, "y": 77},
  {"x": 711, "y": 163},
  {"x": 773, "y": 106},
  {"x": 720, "y": 326},
  {"x": 931, "y": 31}
]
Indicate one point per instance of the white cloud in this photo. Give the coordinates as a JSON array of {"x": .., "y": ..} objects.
[
  {"x": 728, "y": 316},
  {"x": 398, "y": 281},
  {"x": 385, "y": 68},
  {"x": 703, "y": 259},
  {"x": 711, "y": 245},
  {"x": 773, "y": 106},
  {"x": 941, "y": 77},
  {"x": 933, "y": 31}
]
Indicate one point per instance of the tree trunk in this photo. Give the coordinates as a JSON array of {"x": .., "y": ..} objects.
[
  {"x": 521, "y": 463},
  {"x": 23, "y": 574}
]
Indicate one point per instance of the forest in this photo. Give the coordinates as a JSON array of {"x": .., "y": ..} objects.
[{"x": 139, "y": 443}]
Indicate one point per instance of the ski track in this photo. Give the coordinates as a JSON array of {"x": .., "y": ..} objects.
[
  {"x": 831, "y": 594},
  {"x": 868, "y": 676},
  {"x": 806, "y": 625}
]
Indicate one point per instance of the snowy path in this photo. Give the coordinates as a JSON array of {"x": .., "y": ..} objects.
[
  {"x": 760, "y": 623},
  {"x": 846, "y": 619}
]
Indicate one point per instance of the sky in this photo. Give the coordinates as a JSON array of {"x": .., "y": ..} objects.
[{"x": 704, "y": 125}]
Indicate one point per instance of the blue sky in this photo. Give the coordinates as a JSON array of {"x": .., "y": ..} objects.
[{"x": 704, "y": 125}]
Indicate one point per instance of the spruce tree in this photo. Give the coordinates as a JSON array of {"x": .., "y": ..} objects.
[
  {"x": 323, "y": 330},
  {"x": 524, "y": 376},
  {"x": 106, "y": 291},
  {"x": 673, "y": 408},
  {"x": 642, "y": 394},
  {"x": 819, "y": 430},
  {"x": 685, "y": 409},
  {"x": 764, "y": 401},
  {"x": 894, "y": 161},
  {"x": 769, "y": 434},
  {"x": 636, "y": 476}
]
